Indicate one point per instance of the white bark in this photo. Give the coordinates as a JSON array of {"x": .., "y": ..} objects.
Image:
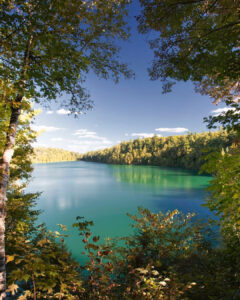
[
  {"x": 8, "y": 155},
  {"x": 4, "y": 181}
]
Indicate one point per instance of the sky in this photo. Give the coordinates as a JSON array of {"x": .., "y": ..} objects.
[{"x": 133, "y": 108}]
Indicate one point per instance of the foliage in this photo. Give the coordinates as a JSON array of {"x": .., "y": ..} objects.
[
  {"x": 20, "y": 221},
  {"x": 187, "y": 151},
  {"x": 44, "y": 268},
  {"x": 224, "y": 190},
  {"x": 228, "y": 120},
  {"x": 48, "y": 47},
  {"x": 46, "y": 155},
  {"x": 197, "y": 41},
  {"x": 35, "y": 257},
  {"x": 156, "y": 262},
  {"x": 164, "y": 254},
  {"x": 168, "y": 256},
  {"x": 98, "y": 271}
]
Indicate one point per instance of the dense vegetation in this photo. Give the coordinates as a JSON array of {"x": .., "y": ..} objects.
[
  {"x": 46, "y": 155},
  {"x": 168, "y": 256},
  {"x": 47, "y": 49},
  {"x": 186, "y": 151}
]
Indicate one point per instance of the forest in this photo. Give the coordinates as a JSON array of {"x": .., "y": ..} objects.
[
  {"x": 186, "y": 151},
  {"x": 47, "y": 155},
  {"x": 168, "y": 256},
  {"x": 47, "y": 49}
]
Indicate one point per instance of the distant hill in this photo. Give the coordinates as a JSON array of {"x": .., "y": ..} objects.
[
  {"x": 182, "y": 151},
  {"x": 47, "y": 155}
]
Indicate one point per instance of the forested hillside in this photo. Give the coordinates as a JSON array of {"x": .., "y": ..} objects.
[
  {"x": 52, "y": 54},
  {"x": 46, "y": 155},
  {"x": 185, "y": 151}
]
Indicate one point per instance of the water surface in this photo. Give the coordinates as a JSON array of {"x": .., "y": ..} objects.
[{"x": 105, "y": 193}]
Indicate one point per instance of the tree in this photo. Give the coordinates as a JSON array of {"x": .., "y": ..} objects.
[
  {"x": 228, "y": 120},
  {"x": 197, "y": 41},
  {"x": 224, "y": 191},
  {"x": 38, "y": 262},
  {"x": 45, "y": 155},
  {"x": 187, "y": 151},
  {"x": 47, "y": 48},
  {"x": 167, "y": 256}
]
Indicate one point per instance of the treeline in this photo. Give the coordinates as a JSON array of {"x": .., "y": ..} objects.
[
  {"x": 47, "y": 155},
  {"x": 168, "y": 256},
  {"x": 185, "y": 151}
]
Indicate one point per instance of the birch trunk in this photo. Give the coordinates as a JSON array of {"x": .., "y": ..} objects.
[
  {"x": 5, "y": 167},
  {"x": 4, "y": 181}
]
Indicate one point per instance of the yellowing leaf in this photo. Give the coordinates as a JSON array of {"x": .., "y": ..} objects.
[
  {"x": 12, "y": 288},
  {"x": 9, "y": 258},
  {"x": 25, "y": 296},
  {"x": 42, "y": 242}
]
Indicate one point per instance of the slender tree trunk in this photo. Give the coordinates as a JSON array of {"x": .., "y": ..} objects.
[
  {"x": 34, "y": 288},
  {"x": 4, "y": 181},
  {"x": 5, "y": 164}
]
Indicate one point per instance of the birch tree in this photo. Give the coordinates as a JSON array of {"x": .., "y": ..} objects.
[{"x": 46, "y": 49}]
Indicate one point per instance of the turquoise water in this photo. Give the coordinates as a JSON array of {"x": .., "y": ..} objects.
[{"x": 105, "y": 193}]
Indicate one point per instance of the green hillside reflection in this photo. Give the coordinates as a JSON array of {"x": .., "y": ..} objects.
[{"x": 159, "y": 177}]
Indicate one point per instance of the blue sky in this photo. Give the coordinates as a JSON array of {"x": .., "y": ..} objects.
[{"x": 131, "y": 109}]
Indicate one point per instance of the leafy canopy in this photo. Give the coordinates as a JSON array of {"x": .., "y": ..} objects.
[
  {"x": 195, "y": 40},
  {"x": 48, "y": 46}
]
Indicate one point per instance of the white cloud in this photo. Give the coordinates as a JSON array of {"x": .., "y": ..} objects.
[
  {"x": 46, "y": 128},
  {"x": 87, "y": 136},
  {"x": 84, "y": 133},
  {"x": 56, "y": 139},
  {"x": 143, "y": 134},
  {"x": 98, "y": 143},
  {"x": 88, "y": 145},
  {"x": 105, "y": 141},
  {"x": 49, "y": 112},
  {"x": 172, "y": 130},
  {"x": 63, "y": 111},
  {"x": 222, "y": 110},
  {"x": 87, "y": 140},
  {"x": 93, "y": 137}
]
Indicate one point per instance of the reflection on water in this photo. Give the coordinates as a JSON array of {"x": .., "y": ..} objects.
[
  {"x": 159, "y": 177},
  {"x": 105, "y": 193}
]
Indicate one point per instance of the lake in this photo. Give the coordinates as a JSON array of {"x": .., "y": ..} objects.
[{"x": 105, "y": 193}]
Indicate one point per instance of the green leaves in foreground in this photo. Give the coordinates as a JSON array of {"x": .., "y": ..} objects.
[
  {"x": 44, "y": 268},
  {"x": 224, "y": 198},
  {"x": 168, "y": 255}
]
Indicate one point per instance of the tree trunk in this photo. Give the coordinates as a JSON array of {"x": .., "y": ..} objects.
[
  {"x": 4, "y": 181},
  {"x": 5, "y": 165}
]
